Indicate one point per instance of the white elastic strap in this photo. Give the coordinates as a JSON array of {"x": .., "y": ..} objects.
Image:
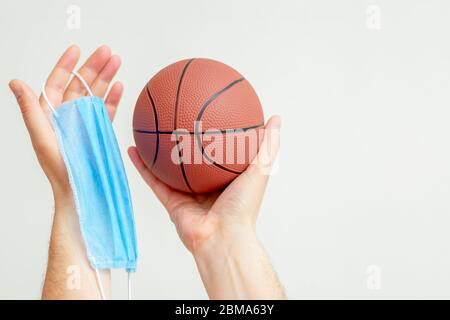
[
  {"x": 129, "y": 285},
  {"x": 44, "y": 94},
  {"x": 83, "y": 82},
  {"x": 76, "y": 74},
  {"x": 100, "y": 286}
]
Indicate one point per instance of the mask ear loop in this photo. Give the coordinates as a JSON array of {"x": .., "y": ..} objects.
[
  {"x": 129, "y": 285},
  {"x": 44, "y": 94},
  {"x": 76, "y": 74},
  {"x": 100, "y": 286}
]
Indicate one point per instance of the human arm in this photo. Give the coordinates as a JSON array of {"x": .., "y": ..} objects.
[
  {"x": 66, "y": 251},
  {"x": 219, "y": 228}
]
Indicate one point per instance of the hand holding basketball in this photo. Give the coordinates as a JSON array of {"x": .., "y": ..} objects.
[{"x": 206, "y": 217}]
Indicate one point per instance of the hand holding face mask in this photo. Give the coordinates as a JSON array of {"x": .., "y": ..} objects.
[{"x": 67, "y": 242}]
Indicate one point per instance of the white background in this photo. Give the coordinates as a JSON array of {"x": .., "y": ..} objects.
[{"x": 364, "y": 172}]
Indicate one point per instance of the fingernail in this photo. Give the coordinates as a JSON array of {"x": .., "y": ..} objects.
[{"x": 16, "y": 89}]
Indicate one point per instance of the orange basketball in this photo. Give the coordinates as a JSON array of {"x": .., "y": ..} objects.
[{"x": 197, "y": 125}]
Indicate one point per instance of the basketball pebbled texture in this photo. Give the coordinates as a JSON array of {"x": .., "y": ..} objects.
[{"x": 166, "y": 113}]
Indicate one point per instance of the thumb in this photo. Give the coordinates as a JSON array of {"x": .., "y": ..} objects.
[
  {"x": 32, "y": 113},
  {"x": 259, "y": 171},
  {"x": 261, "y": 166},
  {"x": 250, "y": 185}
]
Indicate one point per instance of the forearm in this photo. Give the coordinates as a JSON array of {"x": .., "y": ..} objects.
[
  {"x": 237, "y": 268},
  {"x": 69, "y": 274}
]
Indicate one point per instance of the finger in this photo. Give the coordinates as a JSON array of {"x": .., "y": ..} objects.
[
  {"x": 89, "y": 71},
  {"x": 260, "y": 168},
  {"x": 168, "y": 196},
  {"x": 59, "y": 76},
  {"x": 101, "y": 83},
  {"x": 35, "y": 119},
  {"x": 113, "y": 99}
]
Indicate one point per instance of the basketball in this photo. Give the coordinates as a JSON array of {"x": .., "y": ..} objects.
[{"x": 197, "y": 124}]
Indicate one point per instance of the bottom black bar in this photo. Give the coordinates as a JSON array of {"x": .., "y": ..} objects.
[{"x": 193, "y": 309}]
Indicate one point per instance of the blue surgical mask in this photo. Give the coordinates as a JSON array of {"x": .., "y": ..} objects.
[{"x": 99, "y": 183}]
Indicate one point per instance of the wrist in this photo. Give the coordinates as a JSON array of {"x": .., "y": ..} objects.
[
  {"x": 64, "y": 200},
  {"x": 65, "y": 214},
  {"x": 226, "y": 243},
  {"x": 225, "y": 264}
]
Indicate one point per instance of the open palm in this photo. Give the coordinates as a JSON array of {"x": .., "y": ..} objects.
[{"x": 98, "y": 72}]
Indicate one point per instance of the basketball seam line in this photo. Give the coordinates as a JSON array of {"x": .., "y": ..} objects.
[
  {"x": 149, "y": 96},
  {"x": 212, "y": 132},
  {"x": 200, "y": 115},
  {"x": 175, "y": 120}
]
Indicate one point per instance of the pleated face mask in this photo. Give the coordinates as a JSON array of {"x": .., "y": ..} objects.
[{"x": 99, "y": 183}]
